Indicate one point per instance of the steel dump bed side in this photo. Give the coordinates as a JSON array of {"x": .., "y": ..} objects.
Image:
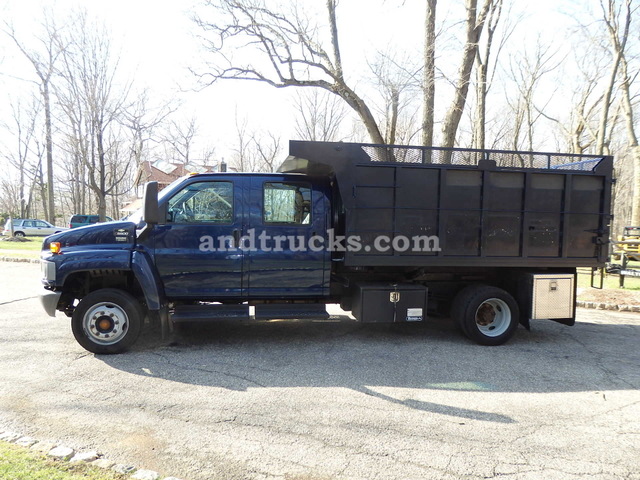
[{"x": 484, "y": 207}]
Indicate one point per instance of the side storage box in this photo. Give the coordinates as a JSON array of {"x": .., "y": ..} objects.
[
  {"x": 553, "y": 296},
  {"x": 389, "y": 303}
]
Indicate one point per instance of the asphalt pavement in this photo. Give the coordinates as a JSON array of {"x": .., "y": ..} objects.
[{"x": 311, "y": 401}]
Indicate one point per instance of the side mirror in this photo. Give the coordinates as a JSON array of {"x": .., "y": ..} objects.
[{"x": 151, "y": 212}]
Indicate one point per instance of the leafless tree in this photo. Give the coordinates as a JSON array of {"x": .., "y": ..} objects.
[
  {"x": 44, "y": 58},
  {"x": 253, "y": 151},
  {"x": 94, "y": 105},
  {"x": 527, "y": 69},
  {"x": 429, "y": 77},
  {"x": 290, "y": 47},
  {"x": 396, "y": 79},
  {"x": 23, "y": 132},
  {"x": 474, "y": 24},
  {"x": 618, "y": 17},
  {"x": 319, "y": 116},
  {"x": 484, "y": 65}
]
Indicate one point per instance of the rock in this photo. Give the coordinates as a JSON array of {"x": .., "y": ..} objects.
[
  {"x": 61, "y": 452},
  {"x": 26, "y": 441},
  {"x": 146, "y": 475},
  {"x": 85, "y": 457},
  {"x": 10, "y": 436},
  {"x": 103, "y": 463},
  {"x": 123, "y": 469},
  {"x": 171, "y": 478},
  {"x": 43, "y": 447}
]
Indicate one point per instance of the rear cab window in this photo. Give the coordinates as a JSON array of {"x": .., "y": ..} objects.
[{"x": 286, "y": 203}]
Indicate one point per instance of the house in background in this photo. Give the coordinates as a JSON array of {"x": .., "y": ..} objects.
[{"x": 164, "y": 173}]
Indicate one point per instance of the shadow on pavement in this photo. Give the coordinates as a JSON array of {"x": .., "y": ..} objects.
[{"x": 550, "y": 358}]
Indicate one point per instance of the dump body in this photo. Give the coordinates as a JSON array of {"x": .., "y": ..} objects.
[{"x": 486, "y": 208}]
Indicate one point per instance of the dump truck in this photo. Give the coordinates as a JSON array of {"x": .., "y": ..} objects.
[{"x": 393, "y": 234}]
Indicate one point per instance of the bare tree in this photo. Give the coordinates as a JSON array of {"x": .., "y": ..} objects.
[
  {"x": 94, "y": 105},
  {"x": 474, "y": 24},
  {"x": 23, "y": 132},
  {"x": 180, "y": 137},
  {"x": 253, "y": 151},
  {"x": 618, "y": 20},
  {"x": 429, "y": 79},
  {"x": 290, "y": 48},
  {"x": 527, "y": 70},
  {"x": 396, "y": 79},
  {"x": 319, "y": 116},
  {"x": 44, "y": 59},
  {"x": 483, "y": 64}
]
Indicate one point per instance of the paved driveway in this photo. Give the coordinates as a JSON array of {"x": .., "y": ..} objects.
[{"x": 318, "y": 401}]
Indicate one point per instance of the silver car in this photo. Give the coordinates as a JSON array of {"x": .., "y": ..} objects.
[{"x": 30, "y": 227}]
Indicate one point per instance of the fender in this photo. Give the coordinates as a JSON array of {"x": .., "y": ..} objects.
[{"x": 148, "y": 278}]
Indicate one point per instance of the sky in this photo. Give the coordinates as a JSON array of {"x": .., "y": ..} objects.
[{"x": 158, "y": 42}]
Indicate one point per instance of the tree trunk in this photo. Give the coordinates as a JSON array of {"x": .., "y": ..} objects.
[
  {"x": 429, "y": 81},
  {"x": 50, "y": 212},
  {"x": 474, "y": 24}
]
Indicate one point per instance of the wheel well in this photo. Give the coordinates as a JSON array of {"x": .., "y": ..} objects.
[{"x": 80, "y": 284}]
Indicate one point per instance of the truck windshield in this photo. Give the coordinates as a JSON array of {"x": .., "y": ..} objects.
[{"x": 136, "y": 217}]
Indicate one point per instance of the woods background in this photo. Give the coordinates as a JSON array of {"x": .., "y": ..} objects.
[{"x": 76, "y": 123}]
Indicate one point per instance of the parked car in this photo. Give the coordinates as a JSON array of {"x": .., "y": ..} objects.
[
  {"x": 30, "y": 227},
  {"x": 83, "y": 220}
]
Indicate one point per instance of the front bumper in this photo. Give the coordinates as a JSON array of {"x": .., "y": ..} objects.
[{"x": 49, "y": 301}]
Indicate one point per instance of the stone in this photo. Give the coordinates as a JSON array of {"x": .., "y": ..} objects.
[
  {"x": 171, "y": 478},
  {"x": 10, "y": 436},
  {"x": 103, "y": 463},
  {"x": 85, "y": 457},
  {"x": 26, "y": 441},
  {"x": 123, "y": 469},
  {"x": 43, "y": 447},
  {"x": 146, "y": 475},
  {"x": 61, "y": 453}
]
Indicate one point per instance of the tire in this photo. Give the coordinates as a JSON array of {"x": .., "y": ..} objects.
[
  {"x": 487, "y": 315},
  {"x": 107, "y": 321},
  {"x": 19, "y": 234}
]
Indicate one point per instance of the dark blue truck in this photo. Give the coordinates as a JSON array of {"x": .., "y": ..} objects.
[{"x": 491, "y": 239}]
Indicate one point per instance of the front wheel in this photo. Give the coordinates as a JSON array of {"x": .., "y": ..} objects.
[
  {"x": 107, "y": 321},
  {"x": 487, "y": 315}
]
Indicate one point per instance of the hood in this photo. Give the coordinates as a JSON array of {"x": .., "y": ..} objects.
[{"x": 115, "y": 234}]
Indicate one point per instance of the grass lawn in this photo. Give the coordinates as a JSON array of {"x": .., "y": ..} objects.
[
  {"x": 20, "y": 463},
  {"x": 29, "y": 249},
  {"x": 610, "y": 281}
]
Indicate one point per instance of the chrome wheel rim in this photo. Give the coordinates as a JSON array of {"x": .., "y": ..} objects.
[
  {"x": 493, "y": 317},
  {"x": 105, "y": 323}
]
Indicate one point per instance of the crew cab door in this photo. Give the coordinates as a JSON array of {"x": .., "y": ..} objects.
[
  {"x": 194, "y": 250},
  {"x": 289, "y": 222}
]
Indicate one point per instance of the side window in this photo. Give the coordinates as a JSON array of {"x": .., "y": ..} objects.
[
  {"x": 203, "y": 202},
  {"x": 27, "y": 224},
  {"x": 287, "y": 203},
  {"x": 40, "y": 223}
]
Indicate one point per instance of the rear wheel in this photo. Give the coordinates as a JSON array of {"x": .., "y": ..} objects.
[
  {"x": 487, "y": 315},
  {"x": 107, "y": 321},
  {"x": 18, "y": 234}
]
